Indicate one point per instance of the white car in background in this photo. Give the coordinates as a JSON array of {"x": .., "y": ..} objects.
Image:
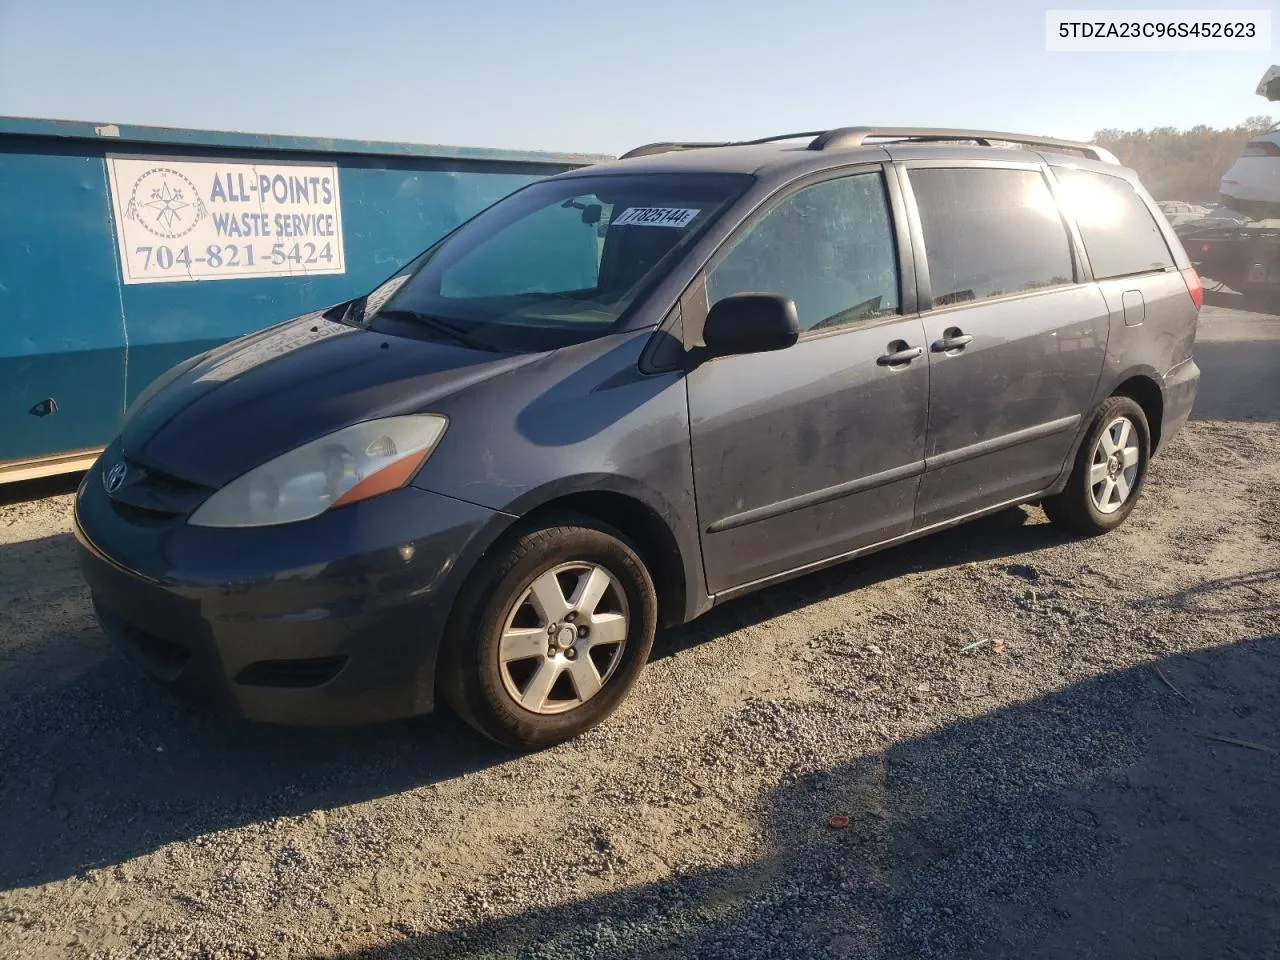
[
  {"x": 1237, "y": 243},
  {"x": 1252, "y": 185},
  {"x": 1179, "y": 211}
]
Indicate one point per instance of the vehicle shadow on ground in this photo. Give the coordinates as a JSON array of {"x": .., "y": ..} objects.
[
  {"x": 1216, "y": 295},
  {"x": 1137, "y": 835},
  {"x": 99, "y": 764},
  {"x": 1008, "y": 534},
  {"x": 1239, "y": 380}
]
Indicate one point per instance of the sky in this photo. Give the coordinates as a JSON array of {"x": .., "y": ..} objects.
[{"x": 599, "y": 76}]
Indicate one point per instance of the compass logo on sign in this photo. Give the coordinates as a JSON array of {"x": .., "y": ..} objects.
[{"x": 166, "y": 203}]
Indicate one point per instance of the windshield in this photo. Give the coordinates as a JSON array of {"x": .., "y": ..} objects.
[{"x": 556, "y": 263}]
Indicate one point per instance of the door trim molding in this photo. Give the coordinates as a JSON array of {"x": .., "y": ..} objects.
[
  {"x": 995, "y": 444},
  {"x": 730, "y": 592},
  {"x": 815, "y": 497}
]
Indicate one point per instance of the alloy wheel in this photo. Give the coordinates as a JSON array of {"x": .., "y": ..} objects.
[
  {"x": 1114, "y": 470},
  {"x": 563, "y": 638}
]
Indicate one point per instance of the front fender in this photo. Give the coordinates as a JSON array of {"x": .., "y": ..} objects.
[
  {"x": 676, "y": 519},
  {"x": 583, "y": 419}
]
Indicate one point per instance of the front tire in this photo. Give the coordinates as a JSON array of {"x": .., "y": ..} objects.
[
  {"x": 1109, "y": 471},
  {"x": 550, "y": 634}
]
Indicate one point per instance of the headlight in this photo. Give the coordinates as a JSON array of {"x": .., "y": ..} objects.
[{"x": 357, "y": 462}]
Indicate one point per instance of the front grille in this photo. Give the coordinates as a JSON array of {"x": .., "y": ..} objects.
[
  {"x": 152, "y": 497},
  {"x": 140, "y": 516},
  {"x": 311, "y": 672}
]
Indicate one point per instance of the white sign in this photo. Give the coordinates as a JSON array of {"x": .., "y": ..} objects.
[
  {"x": 654, "y": 217},
  {"x": 223, "y": 220}
]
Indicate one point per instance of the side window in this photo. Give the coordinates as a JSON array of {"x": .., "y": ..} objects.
[
  {"x": 829, "y": 247},
  {"x": 990, "y": 232},
  {"x": 1117, "y": 227}
]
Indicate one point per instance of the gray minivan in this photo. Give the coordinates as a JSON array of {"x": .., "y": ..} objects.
[{"x": 625, "y": 394}]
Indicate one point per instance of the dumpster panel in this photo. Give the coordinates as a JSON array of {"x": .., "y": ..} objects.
[
  {"x": 391, "y": 210},
  {"x": 78, "y": 342},
  {"x": 61, "y": 331}
]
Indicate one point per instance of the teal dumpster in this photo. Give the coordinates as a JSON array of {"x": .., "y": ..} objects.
[{"x": 124, "y": 250}]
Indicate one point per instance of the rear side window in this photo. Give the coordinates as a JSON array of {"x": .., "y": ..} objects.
[
  {"x": 829, "y": 247},
  {"x": 1261, "y": 148},
  {"x": 990, "y": 232},
  {"x": 1117, "y": 227}
]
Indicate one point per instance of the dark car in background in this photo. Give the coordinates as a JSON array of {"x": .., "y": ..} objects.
[{"x": 625, "y": 394}]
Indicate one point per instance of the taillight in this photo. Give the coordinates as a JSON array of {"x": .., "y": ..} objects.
[
  {"x": 1204, "y": 248},
  {"x": 1194, "y": 286}
]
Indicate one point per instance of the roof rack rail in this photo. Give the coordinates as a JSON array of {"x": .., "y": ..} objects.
[
  {"x": 651, "y": 148},
  {"x": 857, "y": 136},
  {"x": 664, "y": 147}
]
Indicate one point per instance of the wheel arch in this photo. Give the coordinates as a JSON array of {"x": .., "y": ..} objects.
[
  {"x": 1139, "y": 384},
  {"x": 1143, "y": 388},
  {"x": 639, "y": 522},
  {"x": 664, "y": 534}
]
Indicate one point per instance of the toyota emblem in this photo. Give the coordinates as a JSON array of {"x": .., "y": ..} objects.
[{"x": 113, "y": 479}]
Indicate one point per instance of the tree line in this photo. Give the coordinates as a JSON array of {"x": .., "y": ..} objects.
[{"x": 1182, "y": 164}]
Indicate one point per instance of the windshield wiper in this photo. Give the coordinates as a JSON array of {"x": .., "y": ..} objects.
[{"x": 432, "y": 323}]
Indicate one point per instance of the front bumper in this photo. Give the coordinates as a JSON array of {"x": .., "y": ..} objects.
[{"x": 334, "y": 620}]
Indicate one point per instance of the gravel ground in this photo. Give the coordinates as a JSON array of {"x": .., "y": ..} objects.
[{"x": 1045, "y": 747}]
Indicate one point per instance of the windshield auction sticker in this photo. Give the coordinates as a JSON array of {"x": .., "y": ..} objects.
[
  {"x": 211, "y": 220},
  {"x": 654, "y": 217}
]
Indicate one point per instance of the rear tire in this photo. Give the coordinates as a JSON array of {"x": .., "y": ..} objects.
[
  {"x": 550, "y": 634},
  {"x": 1109, "y": 471}
]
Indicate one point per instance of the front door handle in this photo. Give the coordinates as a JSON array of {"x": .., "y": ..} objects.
[
  {"x": 900, "y": 353},
  {"x": 953, "y": 338}
]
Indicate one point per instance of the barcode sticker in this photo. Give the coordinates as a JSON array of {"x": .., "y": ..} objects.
[{"x": 655, "y": 217}]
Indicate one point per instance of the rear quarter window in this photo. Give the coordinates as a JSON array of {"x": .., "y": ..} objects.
[
  {"x": 1119, "y": 232},
  {"x": 1261, "y": 148}
]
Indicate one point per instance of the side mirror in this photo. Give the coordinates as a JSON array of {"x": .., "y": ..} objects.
[{"x": 751, "y": 323}]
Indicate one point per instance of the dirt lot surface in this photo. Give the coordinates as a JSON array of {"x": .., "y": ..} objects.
[{"x": 1045, "y": 747}]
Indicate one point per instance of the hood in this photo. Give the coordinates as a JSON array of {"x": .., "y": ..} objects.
[{"x": 258, "y": 397}]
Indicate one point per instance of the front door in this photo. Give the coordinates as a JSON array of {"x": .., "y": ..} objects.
[
  {"x": 1015, "y": 344},
  {"x": 806, "y": 453}
]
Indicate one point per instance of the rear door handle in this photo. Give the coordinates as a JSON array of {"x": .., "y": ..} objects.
[
  {"x": 904, "y": 355},
  {"x": 951, "y": 341}
]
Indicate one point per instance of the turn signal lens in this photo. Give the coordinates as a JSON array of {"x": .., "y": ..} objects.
[{"x": 391, "y": 477}]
